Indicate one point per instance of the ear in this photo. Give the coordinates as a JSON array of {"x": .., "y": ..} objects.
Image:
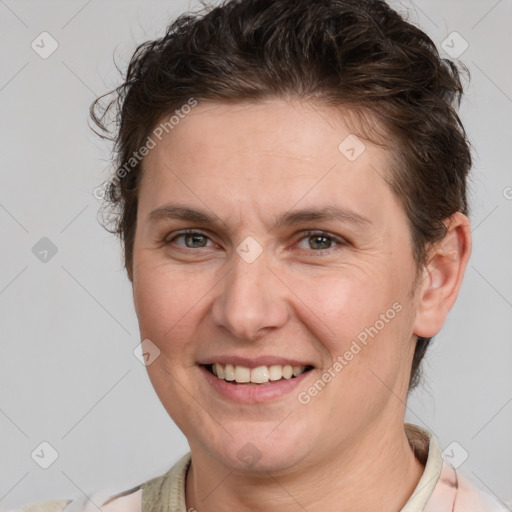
[{"x": 442, "y": 277}]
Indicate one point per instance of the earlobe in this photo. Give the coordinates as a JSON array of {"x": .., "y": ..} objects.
[{"x": 443, "y": 275}]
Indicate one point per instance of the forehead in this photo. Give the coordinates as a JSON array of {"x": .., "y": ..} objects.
[
  {"x": 267, "y": 155},
  {"x": 297, "y": 129}
]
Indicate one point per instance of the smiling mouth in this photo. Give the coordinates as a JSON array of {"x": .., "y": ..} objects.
[{"x": 237, "y": 374}]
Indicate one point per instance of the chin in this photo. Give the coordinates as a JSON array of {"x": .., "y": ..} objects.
[{"x": 260, "y": 449}]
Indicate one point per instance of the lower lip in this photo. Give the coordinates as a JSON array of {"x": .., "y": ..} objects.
[{"x": 253, "y": 393}]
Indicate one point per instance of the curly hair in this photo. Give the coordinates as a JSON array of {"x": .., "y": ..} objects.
[{"x": 360, "y": 55}]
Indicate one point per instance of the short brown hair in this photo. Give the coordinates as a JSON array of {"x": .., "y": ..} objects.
[{"x": 357, "y": 54}]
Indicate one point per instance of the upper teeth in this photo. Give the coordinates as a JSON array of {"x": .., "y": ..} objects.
[{"x": 258, "y": 375}]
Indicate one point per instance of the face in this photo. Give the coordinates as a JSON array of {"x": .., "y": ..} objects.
[{"x": 260, "y": 285}]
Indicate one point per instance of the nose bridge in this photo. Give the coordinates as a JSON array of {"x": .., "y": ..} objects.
[{"x": 249, "y": 301}]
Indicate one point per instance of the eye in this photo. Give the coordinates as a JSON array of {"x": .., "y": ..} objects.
[
  {"x": 193, "y": 239},
  {"x": 321, "y": 241}
]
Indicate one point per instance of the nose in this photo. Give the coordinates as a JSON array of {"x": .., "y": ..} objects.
[{"x": 251, "y": 300}]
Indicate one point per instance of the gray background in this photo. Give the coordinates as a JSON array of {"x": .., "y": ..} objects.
[{"x": 68, "y": 374}]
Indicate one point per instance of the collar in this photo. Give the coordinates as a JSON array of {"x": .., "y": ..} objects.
[{"x": 167, "y": 492}]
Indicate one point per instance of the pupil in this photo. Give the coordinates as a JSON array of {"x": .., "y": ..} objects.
[
  {"x": 195, "y": 238},
  {"x": 319, "y": 237}
]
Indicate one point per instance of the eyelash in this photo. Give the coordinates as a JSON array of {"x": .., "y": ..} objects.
[{"x": 305, "y": 235}]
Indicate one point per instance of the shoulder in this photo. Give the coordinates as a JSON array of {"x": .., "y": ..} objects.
[
  {"x": 471, "y": 497},
  {"x": 126, "y": 501},
  {"x": 454, "y": 489},
  {"x": 169, "y": 486},
  {"x": 457, "y": 492},
  {"x": 44, "y": 506}
]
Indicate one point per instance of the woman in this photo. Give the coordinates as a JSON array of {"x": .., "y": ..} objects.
[{"x": 291, "y": 189}]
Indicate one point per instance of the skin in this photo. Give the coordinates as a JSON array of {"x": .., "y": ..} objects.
[{"x": 246, "y": 164}]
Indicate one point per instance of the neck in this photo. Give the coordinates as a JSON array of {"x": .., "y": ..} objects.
[{"x": 380, "y": 473}]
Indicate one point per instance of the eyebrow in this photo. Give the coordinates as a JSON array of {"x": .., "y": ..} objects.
[{"x": 288, "y": 219}]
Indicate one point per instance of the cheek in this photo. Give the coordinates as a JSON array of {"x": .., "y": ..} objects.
[
  {"x": 364, "y": 328},
  {"x": 164, "y": 302},
  {"x": 346, "y": 303}
]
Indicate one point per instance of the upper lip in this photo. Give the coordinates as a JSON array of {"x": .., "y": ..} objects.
[{"x": 253, "y": 362}]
